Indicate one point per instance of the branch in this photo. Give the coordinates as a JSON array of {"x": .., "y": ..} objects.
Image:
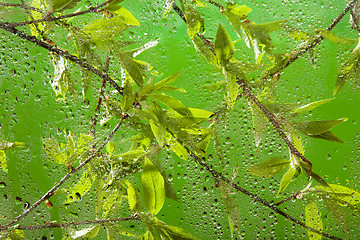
[
  {"x": 66, "y": 177},
  {"x": 248, "y": 93},
  {"x": 62, "y": 53},
  {"x": 220, "y": 177},
  {"x": 88, "y": 222},
  {"x": 49, "y": 17}
]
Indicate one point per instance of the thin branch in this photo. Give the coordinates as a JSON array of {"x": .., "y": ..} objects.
[
  {"x": 87, "y": 222},
  {"x": 314, "y": 42},
  {"x": 66, "y": 177},
  {"x": 49, "y": 17},
  {"x": 248, "y": 93},
  {"x": 24, "y": 6},
  {"x": 221, "y": 8},
  {"x": 220, "y": 177},
  {"x": 62, "y": 53},
  {"x": 100, "y": 98}
]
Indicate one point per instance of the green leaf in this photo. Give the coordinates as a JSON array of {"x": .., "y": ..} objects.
[
  {"x": 131, "y": 67},
  {"x": 133, "y": 197},
  {"x": 194, "y": 22},
  {"x": 312, "y": 128},
  {"x": 86, "y": 233},
  {"x": 38, "y": 28},
  {"x": 335, "y": 39},
  {"x": 105, "y": 28},
  {"x": 54, "y": 151},
  {"x": 205, "y": 51},
  {"x": 269, "y": 167},
  {"x": 177, "y": 147},
  {"x": 113, "y": 5},
  {"x": 232, "y": 90},
  {"x": 178, "y": 233},
  {"x": 12, "y": 234},
  {"x": 224, "y": 47},
  {"x": 286, "y": 179},
  {"x": 159, "y": 132},
  {"x": 311, "y": 106},
  {"x": 153, "y": 187},
  {"x": 328, "y": 136},
  {"x": 259, "y": 123},
  {"x": 125, "y": 15},
  {"x": 335, "y": 209},
  {"x": 313, "y": 220},
  {"x": 128, "y": 97},
  {"x": 172, "y": 103},
  {"x": 61, "y": 5},
  {"x": 5, "y": 145},
  {"x": 110, "y": 148},
  {"x": 349, "y": 70},
  {"x": 236, "y": 14},
  {"x": 114, "y": 230},
  {"x": 7, "y": 12},
  {"x": 81, "y": 188},
  {"x": 233, "y": 210},
  {"x": 3, "y": 162}
]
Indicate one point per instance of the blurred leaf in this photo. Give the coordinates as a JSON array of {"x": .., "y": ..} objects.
[
  {"x": 113, "y": 231},
  {"x": 86, "y": 233},
  {"x": 236, "y": 14},
  {"x": 5, "y": 145},
  {"x": 81, "y": 188},
  {"x": 232, "y": 209},
  {"x": 232, "y": 90},
  {"x": 110, "y": 148},
  {"x": 126, "y": 16},
  {"x": 335, "y": 39},
  {"x": 105, "y": 28},
  {"x": 194, "y": 21},
  {"x": 113, "y": 5},
  {"x": 313, "y": 220},
  {"x": 168, "y": 5},
  {"x": 131, "y": 67},
  {"x": 335, "y": 209},
  {"x": 128, "y": 99},
  {"x": 7, "y": 12},
  {"x": 12, "y": 234},
  {"x": 287, "y": 177},
  {"x": 172, "y": 103},
  {"x": 54, "y": 151},
  {"x": 282, "y": 108},
  {"x": 349, "y": 70},
  {"x": 224, "y": 47},
  {"x": 177, "y": 233},
  {"x": 259, "y": 123},
  {"x": 61, "y": 5},
  {"x": 311, "y": 106},
  {"x": 38, "y": 28},
  {"x": 269, "y": 167},
  {"x": 312, "y": 128},
  {"x": 153, "y": 187},
  {"x": 205, "y": 51},
  {"x": 3, "y": 162}
]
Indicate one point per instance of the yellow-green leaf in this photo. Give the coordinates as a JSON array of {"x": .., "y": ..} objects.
[
  {"x": 153, "y": 187},
  {"x": 286, "y": 179},
  {"x": 269, "y": 167},
  {"x": 313, "y": 220},
  {"x": 224, "y": 47},
  {"x": 83, "y": 186},
  {"x": 61, "y": 5},
  {"x": 311, "y": 128},
  {"x": 336, "y": 39}
]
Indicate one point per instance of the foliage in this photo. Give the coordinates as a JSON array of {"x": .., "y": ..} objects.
[{"x": 159, "y": 121}]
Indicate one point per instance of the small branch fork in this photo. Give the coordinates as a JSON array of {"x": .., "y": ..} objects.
[{"x": 66, "y": 177}]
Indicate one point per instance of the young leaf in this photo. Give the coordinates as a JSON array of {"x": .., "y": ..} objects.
[
  {"x": 194, "y": 22},
  {"x": 153, "y": 187},
  {"x": 38, "y": 28},
  {"x": 86, "y": 233},
  {"x": 61, "y": 5},
  {"x": 205, "y": 51},
  {"x": 113, "y": 5},
  {"x": 224, "y": 47},
  {"x": 286, "y": 179},
  {"x": 349, "y": 70},
  {"x": 233, "y": 210},
  {"x": 269, "y": 167},
  {"x": 172, "y": 103},
  {"x": 126, "y": 16},
  {"x": 133, "y": 197},
  {"x": 232, "y": 90},
  {"x": 328, "y": 136},
  {"x": 5, "y": 145},
  {"x": 313, "y": 220},
  {"x": 131, "y": 67},
  {"x": 259, "y": 122},
  {"x": 114, "y": 230},
  {"x": 335, "y": 209},
  {"x": 105, "y": 28},
  {"x": 311, "y": 106},
  {"x": 312, "y": 128},
  {"x": 159, "y": 132},
  {"x": 199, "y": 115},
  {"x": 81, "y": 188},
  {"x": 3, "y": 162},
  {"x": 54, "y": 151},
  {"x": 335, "y": 39},
  {"x": 236, "y": 13}
]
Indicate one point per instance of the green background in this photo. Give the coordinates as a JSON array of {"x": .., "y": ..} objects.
[{"x": 29, "y": 111}]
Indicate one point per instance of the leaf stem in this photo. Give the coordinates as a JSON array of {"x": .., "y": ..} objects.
[
  {"x": 87, "y": 222},
  {"x": 66, "y": 177},
  {"x": 62, "y": 53}
]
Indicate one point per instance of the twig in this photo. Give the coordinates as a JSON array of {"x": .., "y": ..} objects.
[
  {"x": 248, "y": 93},
  {"x": 100, "y": 98},
  {"x": 62, "y": 53},
  {"x": 66, "y": 177},
  {"x": 314, "y": 42},
  {"x": 220, "y": 177},
  {"x": 88, "y": 222},
  {"x": 49, "y": 17},
  {"x": 24, "y": 6},
  {"x": 221, "y": 8}
]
